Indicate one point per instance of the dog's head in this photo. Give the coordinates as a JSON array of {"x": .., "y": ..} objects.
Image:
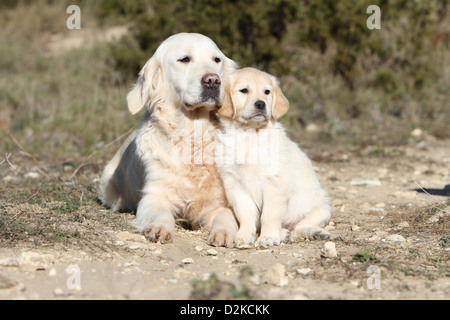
[
  {"x": 253, "y": 97},
  {"x": 187, "y": 70}
]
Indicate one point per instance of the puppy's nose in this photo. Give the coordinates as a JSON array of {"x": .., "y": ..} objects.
[
  {"x": 260, "y": 105},
  {"x": 211, "y": 80}
]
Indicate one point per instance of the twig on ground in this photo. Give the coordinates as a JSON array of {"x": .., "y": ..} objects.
[
  {"x": 26, "y": 153},
  {"x": 7, "y": 155},
  {"x": 434, "y": 198},
  {"x": 88, "y": 158}
]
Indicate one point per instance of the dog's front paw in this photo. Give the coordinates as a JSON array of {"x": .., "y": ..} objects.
[
  {"x": 222, "y": 238},
  {"x": 159, "y": 232}
]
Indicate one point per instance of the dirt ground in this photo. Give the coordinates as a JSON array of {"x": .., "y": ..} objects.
[{"x": 389, "y": 228}]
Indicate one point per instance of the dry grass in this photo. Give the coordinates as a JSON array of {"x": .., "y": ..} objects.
[
  {"x": 61, "y": 105},
  {"x": 54, "y": 213}
]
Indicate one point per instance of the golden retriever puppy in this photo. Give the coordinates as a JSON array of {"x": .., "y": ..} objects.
[
  {"x": 269, "y": 182},
  {"x": 181, "y": 86}
]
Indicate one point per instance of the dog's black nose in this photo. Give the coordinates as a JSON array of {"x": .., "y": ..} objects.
[
  {"x": 260, "y": 105},
  {"x": 211, "y": 80}
]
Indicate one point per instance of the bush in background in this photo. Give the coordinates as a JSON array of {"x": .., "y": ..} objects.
[{"x": 322, "y": 44}]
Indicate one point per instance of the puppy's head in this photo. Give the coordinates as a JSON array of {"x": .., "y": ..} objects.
[
  {"x": 253, "y": 97},
  {"x": 186, "y": 70}
]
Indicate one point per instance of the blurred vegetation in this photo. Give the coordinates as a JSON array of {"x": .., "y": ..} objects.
[
  {"x": 351, "y": 71},
  {"x": 351, "y": 81}
]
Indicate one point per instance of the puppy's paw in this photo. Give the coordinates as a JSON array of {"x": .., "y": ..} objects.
[
  {"x": 311, "y": 233},
  {"x": 268, "y": 241},
  {"x": 321, "y": 234},
  {"x": 245, "y": 239},
  {"x": 159, "y": 232},
  {"x": 285, "y": 235},
  {"x": 222, "y": 238}
]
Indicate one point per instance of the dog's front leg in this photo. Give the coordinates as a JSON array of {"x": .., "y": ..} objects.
[
  {"x": 247, "y": 214},
  {"x": 223, "y": 228},
  {"x": 271, "y": 218},
  {"x": 155, "y": 218}
]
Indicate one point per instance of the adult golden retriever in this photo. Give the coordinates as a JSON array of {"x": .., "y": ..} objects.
[
  {"x": 269, "y": 182},
  {"x": 181, "y": 86}
]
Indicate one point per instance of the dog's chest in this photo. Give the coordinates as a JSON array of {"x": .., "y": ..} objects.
[{"x": 202, "y": 189}]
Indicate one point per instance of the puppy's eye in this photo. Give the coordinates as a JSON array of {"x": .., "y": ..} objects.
[
  {"x": 217, "y": 60},
  {"x": 267, "y": 91},
  {"x": 185, "y": 60},
  {"x": 245, "y": 90}
]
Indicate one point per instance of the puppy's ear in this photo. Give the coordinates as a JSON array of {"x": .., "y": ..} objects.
[
  {"x": 146, "y": 86},
  {"x": 281, "y": 103},
  {"x": 227, "y": 108}
]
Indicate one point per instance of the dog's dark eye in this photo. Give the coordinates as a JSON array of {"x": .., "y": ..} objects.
[
  {"x": 245, "y": 90},
  {"x": 217, "y": 60},
  {"x": 185, "y": 59},
  {"x": 267, "y": 91}
]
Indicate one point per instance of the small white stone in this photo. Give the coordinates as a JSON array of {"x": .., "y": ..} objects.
[
  {"x": 187, "y": 261},
  {"x": 211, "y": 252},
  {"x": 31, "y": 175},
  {"x": 395, "y": 238},
  {"x": 311, "y": 127},
  {"x": 198, "y": 248},
  {"x": 329, "y": 249},
  {"x": 417, "y": 132},
  {"x": 303, "y": 271},
  {"x": 58, "y": 292},
  {"x": 130, "y": 264}
]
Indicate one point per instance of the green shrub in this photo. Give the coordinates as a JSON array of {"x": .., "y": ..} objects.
[{"x": 391, "y": 67}]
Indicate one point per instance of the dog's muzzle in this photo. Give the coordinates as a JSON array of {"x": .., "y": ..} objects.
[{"x": 211, "y": 87}]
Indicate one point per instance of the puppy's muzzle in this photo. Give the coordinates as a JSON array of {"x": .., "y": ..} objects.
[{"x": 260, "y": 105}]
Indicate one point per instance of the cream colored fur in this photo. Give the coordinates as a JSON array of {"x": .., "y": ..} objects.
[
  {"x": 269, "y": 182},
  {"x": 144, "y": 176}
]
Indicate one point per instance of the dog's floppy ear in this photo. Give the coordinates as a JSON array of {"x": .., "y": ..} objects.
[
  {"x": 227, "y": 108},
  {"x": 281, "y": 103},
  {"x": 146, "y": 86},
  {"x": 229, "y": 66}
]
